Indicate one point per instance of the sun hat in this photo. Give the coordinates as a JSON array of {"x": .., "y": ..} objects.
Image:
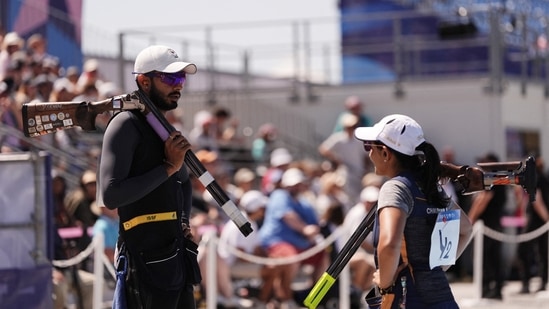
[
  {"x": 398, "y": 132},
  {"x": 253, "y": 200},
  {"x": 161, "y": 58}
]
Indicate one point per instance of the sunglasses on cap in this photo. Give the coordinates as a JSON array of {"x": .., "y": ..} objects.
[
  {"x": 170, "y": 79},
  {"x": 369, "y": 145}
]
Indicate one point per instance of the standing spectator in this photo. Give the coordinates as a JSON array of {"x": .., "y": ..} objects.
[
  {"x": 143, "y": 177},
  {"x": 347, "y": 155},
  {"x": 263, "y": 144},
  {"x": 289, "y": 228},
  {"x": 409, "y": 206},
  {"x": 489, "y": 206},
  {"x": 353, "y": 106},
  {"x": 533, "y": 253}
]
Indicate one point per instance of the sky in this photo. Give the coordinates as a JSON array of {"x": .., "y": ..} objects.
[{"x": 264, "y": 28}]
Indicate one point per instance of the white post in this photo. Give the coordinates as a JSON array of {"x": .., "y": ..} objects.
[
  {"x": 478, "y": 231},
  {"x": 99, "y": 247},
  {"x": 211, "y": 270},
  {"x": 345, "y": 288}
]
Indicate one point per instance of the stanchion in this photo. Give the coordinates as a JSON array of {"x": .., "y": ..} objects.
[{"x": 98, "y": 282}]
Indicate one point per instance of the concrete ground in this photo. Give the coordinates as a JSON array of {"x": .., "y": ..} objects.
[{"x": 466, "y": 297}]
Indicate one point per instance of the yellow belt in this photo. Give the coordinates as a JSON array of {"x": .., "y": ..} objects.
[{"x": 162, "y": 216}]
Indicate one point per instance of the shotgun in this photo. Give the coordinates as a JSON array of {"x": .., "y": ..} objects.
[
  {"x": 470, "y": 178},
  {"x": 49, "y": 117}
]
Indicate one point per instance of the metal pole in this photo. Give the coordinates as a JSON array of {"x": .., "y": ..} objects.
[
  {"x": 327, "y": 70},
  {"x": 546, "y": 62},
  {"x": 121, "y": 75},
  {"x": 295, "y": 95},
  {"x": 397, "y": 57},
  {"x": 99, "y": 248},
  {"x": 524, "y": 58},
  {"x": 211, "y": 259},
  {"x": 344, "y": 288},
  {"x": 211, "y": 66},
  {"x": 246, "y": 70},
  {"x": 496, "y": 61},
  {"x": 478, "y": 231},
  {"x": 307, "y": 61}
]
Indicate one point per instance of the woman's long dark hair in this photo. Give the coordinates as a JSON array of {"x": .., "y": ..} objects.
[{"x": 427, "y": 168}]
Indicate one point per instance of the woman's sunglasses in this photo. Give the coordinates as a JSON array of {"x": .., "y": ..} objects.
[
  {"x": 170, "y": 79},
  {"x": 369, "y": 145}
]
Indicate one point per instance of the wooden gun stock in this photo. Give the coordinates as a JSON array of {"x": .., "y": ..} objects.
[
  {"x": 48, "y": 117},
  {"x": 486, "y": 175}
]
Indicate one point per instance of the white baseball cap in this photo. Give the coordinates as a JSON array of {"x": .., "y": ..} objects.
[
  {"x": 253, "y": 200},
  {"x": 398, "y": 132},
  {"x": 369, "y": 194},
  {"x": 292, "y": 177},
  {"x": 161, "y": 58},
  {"x": 280, "y": 156}
]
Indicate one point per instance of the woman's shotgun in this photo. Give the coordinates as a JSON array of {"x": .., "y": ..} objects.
[{"x": 471, "y": 179}]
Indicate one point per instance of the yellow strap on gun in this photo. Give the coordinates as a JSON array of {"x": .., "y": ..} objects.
[
  {"x": 318, "y": 292},
  {"x": 328, "y": 278}
]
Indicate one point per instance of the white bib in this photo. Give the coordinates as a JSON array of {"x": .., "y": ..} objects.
[{"x": 444, "y": 239}]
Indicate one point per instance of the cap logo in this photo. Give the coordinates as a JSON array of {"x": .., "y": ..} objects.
[{"x": 174, "y": 54}]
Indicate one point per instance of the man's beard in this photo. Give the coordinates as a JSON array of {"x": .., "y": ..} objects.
[{"x": 160, "y": 102}]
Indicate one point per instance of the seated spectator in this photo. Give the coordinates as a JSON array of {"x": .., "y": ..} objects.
[
  {"x": 280, "y": 160},
  {"x": 229, "y": 265},
  {"x": 243, "y": 181},
  {"x": 107, "y": 224},
  {"x": 80, "y": 206},
  {"x": 202, "y": 135},
  {"x": 361, "y": 264},
  {"x": 331, "y": 192},
  {"x": 290, "y": 227}
]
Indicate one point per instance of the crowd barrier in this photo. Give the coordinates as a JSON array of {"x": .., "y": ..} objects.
[{"x": 210, "y": 240}]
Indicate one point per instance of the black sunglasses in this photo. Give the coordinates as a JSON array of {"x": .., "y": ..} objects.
[{"x": 369, "y": 145}]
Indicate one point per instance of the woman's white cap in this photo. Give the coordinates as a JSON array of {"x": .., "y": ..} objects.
[{"x": 398, "y": 132}]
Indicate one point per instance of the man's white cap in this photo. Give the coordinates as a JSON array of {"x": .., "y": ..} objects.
[
  {"x": 292, "y": 177},
  {"x": 398, "y": 132},
  {"x": 161, "y": 58},
  {"x": 253, "y": 200}
]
